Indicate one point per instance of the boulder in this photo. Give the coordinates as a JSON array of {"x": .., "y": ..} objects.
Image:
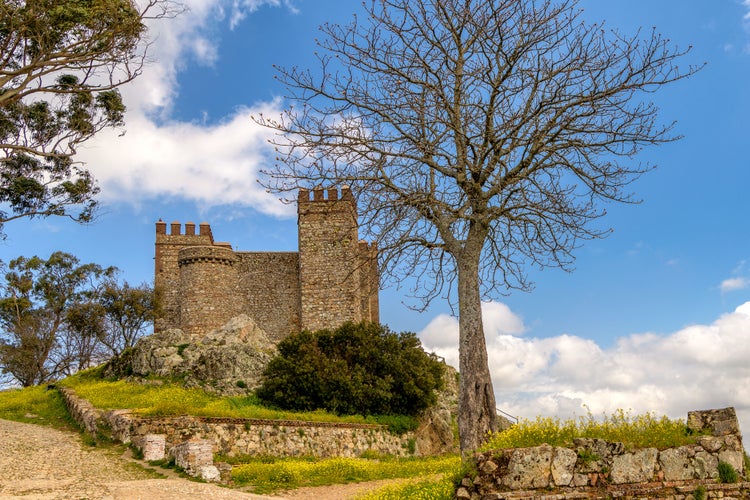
[
  {"x": 228, "y": 361},
  {"x": 435, "y": 433}
]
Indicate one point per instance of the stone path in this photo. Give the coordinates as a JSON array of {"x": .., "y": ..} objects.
[{"x": 39, "y": 462}]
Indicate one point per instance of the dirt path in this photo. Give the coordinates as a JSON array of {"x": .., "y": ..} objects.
[
  {"x": 39, "y": 462},
  {"x": 42, "y": 463}
]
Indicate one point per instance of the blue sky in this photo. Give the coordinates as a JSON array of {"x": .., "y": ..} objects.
[{"x": 652, "y": 318}]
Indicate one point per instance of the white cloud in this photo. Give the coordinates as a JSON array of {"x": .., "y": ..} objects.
[
  {"x": 441, "y": 334},
  {"x": 241, "y": 8},
  {"x": 733, "y": 284},
  {"x": 210, "y": 165},
  {"x": 158, "y": 157},
  {"x": 697, "y": 367}
]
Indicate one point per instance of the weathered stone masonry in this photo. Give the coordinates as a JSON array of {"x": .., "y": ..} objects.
[{"x": 332, "y": 279}]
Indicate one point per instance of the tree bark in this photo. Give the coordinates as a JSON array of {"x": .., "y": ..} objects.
[{"x": 477, "y": 413}]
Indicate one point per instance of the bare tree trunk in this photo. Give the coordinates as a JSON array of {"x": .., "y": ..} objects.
[{"x": 477, "y": 413}]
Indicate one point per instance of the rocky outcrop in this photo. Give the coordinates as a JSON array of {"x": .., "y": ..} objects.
[
  {"x": 437, "y": 431},
  {"x": 227, "y": 361},
  {"x": 435, "y": 434}
]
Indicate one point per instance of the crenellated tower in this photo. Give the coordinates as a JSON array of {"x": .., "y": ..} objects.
[
  {"x": 332, "y": 279},
  {"x": 335, "y": 269},
  {"x": 167, "y": 269},
  {"x": 208, "y": 288}
]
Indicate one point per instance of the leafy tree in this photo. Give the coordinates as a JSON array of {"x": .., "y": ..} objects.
[
  {"x": 359, "y": 368},
  {"x": 58, "y": 316},
  {"x": 61, "y": 63},
  {"x": 35, "y": 341},
  {"x": 118, "y": 317},
  {"x": 479, "y": 137}
]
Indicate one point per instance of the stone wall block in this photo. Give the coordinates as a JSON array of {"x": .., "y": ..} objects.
[
  {"x": 563, "y": 464},
  {"x": 706, "y": 465},
  {"x": 734, "y": 458},
  {"x": 529, "y": 468},
  {"x": 675, "y": 464},
  {"x": 153, "y": 446},
  {"x": 711, "y": 443},
  {"x": 635, "y": 467},
  {"x": 192, "y": 455},
  {"x": 120, "y": 425},
  {"x": 720, "y": 422}
]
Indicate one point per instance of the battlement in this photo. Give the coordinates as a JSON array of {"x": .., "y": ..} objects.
[
  {"x": 175, "y": 229},
  {"x": 217, "y": 254},
  {"x": 320, "y": 194}
]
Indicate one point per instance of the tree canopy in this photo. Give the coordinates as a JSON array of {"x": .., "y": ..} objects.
[
  {"x": 61, "y": 63},
  {"x": 58, "y": 316},
  {"x": 479, "y": 137}
]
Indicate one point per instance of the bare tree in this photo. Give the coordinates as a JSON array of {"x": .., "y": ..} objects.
[
  {"x": 61, "y": 64},
  {"x": 479, "y": 137}
]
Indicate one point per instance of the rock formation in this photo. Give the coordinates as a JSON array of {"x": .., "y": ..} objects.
[{"x": 226, "y": 361}]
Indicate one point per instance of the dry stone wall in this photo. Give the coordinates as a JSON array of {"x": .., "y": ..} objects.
[
  {"x": 190, "y": 437},
  {"x": 595, "y": 468}
]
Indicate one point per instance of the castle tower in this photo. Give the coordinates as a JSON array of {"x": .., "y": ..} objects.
[
  {"x": 208, "y": 284},
  {"x": 166, "y": 267},
  {"x": 333, "y": 266}
]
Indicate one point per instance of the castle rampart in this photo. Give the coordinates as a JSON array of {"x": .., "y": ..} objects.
[{"x": 332, "y": 279}]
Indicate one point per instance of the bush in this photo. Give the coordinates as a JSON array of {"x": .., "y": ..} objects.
[
  {"x": 361, "y": 368},
  {"x": 727, "y": 473}
]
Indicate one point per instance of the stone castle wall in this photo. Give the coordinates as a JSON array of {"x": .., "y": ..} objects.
[
  {"x": 332, "y": 279},
  {"x": 269, "y": 283}
]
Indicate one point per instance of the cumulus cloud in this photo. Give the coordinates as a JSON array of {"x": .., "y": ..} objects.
[
  {"x": 207, "y": 164},
  {"x": 697, "y": 367},
  {"x": 210, "y": 165}
]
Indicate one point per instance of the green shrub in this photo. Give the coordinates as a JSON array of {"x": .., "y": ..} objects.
[
  {"x": 361, "y": 368},
  {"x": 727, "y": 473},
  {"x": 699, "y": 493}
]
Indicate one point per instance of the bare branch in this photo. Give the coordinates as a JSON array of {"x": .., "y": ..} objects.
[{"x": 480, "y": 137}]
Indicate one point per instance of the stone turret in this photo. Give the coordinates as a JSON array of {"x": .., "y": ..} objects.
[
  {"x": 208, "y": 284},
  {"x": 166, "y": 266}
]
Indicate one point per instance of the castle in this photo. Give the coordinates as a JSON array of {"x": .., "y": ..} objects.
[{"x": 333, "y": 278}]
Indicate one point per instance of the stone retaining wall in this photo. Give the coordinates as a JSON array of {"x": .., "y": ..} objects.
[
  {"x": 235, "y": 436},
  {"x": 595, "y": 468}
]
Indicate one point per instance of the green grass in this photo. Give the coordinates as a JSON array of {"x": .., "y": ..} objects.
[
  {"x": 641, "y": 431},
  {"x": 269, "y": 474},
  {"x": 163, "y": 398},
  {"x": 36, "y": 405}
]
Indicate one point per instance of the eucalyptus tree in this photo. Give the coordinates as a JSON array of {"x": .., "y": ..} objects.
[
  {"x": 480, "y": 137},
  {"x": 61, "y": 64}
]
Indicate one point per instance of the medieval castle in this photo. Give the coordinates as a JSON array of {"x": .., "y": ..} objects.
[{"x": 333, "y": 278}]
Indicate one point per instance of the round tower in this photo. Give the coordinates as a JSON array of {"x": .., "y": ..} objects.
[{"x": 208, "y": 283}]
